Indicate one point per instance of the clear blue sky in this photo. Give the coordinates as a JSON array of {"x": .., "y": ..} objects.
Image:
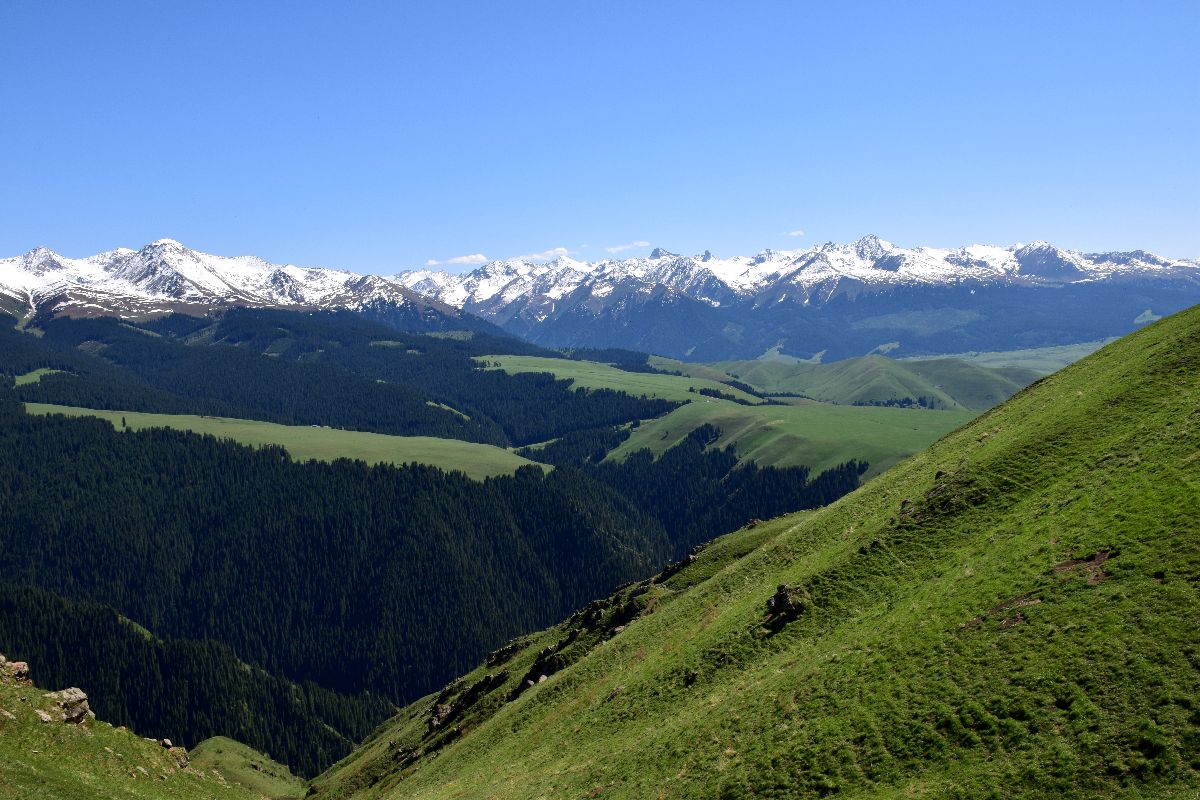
[{"x": 377, "y": 136}]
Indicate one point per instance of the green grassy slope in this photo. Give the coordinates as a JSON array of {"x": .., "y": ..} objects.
[
  {"x": 33, "y": 377},
  {"x": 321, "y": 444},
  {"x": 245, "y": 767},
  {"x": 1010, "y": 613},
  {"x": 1042, "y": 360},
  {"x": 91, "y": 761},
  {"x": 817, "y": 435},
  {"x": 950, "y": 383},
  {"x": 593, "y": 375}
]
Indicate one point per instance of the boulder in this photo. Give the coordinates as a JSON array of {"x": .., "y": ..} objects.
[
  {"x": 19, "y": 670},
  {"x": 166, "y": 743},
  {"x": 74, "y": 704},
  {"x": 42, "y": 715},
  {"x": 788, "y": 603}
]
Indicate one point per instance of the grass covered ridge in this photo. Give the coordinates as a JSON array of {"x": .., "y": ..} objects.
[
  {"x": 1010, "y": 613},
  {"x": 945, "y": 383},
  {"x": 594, "y": 375},
  {"x": 306, "y": 442},
  {"x": 90, "y": 761},
  {"x": 245, "y": 767},
  {"x": 816, "y": 435}
]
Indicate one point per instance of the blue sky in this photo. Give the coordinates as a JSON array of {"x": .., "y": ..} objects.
[{"x": 379, "y": 136}]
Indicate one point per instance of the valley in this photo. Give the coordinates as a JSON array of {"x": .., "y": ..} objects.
[
  {"x": 1006, "y": 613},
  {"x": 600, "y": 401}
]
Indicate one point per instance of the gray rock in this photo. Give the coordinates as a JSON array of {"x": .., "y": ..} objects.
[{"x": 74, "y": 705}]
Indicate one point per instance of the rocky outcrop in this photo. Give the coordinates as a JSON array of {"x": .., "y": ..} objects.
[
  {"x": 73, "y": 704},
  {"x": 787, "y": 604}
]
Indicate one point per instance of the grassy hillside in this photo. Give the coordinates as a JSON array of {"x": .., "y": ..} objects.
[
  {"x": 1010, "y": 613},
  {"x": 305, "y": 442},
  {"x": 90, "y": 761},
  {"x": 33, "y": 376},
  {"x": 943, "y": 383},
  {"x": 593, "y": 375},
  {"x": 817, "y": 435},
  {"x": 1042, "y": 360},
  {"x": 245, "y": 767}
]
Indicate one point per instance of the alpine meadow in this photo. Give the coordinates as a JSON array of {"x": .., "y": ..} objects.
[{"x": 476, "y": 401}]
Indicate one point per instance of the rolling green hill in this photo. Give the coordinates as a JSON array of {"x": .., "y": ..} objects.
[
  {"x": 246, "y": 767},
  {"x": 1042, "y": 360},
  {"x": 1009, "y": 613},
  {"x": 594, "y": 375},
  {"x": 941, "y": 383},
  {"x": 816, "y": 435},
  {"x": 307, "y": 442}
]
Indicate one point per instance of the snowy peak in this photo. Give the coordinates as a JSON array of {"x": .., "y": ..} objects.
[
  {"x": 504, "y": 290},
  {"x": 166, "y": 276}
]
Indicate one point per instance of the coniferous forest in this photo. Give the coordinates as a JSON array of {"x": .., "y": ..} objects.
[{"x": 283, "y": 597}]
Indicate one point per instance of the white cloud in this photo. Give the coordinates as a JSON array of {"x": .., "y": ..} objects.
[
  {"x": 794, "y": 233},
  {"x": 546, "y": 255},
  {"x": 621, "y": 248},
  {"x": 473, "y": 258}
]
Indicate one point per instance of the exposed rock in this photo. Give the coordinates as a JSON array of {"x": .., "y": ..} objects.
[
  {"x": 438, "y": 716},
  {"x": 166, "y": 743},
  {"x": 74, "y": 704},
  {"x": 502, "y": 654},
  {"x": 42, "y": 715},
  {"x": 180, "y": 755},
  {"x": 19, "y": 670},
  {"x": 788, "y": 603}
]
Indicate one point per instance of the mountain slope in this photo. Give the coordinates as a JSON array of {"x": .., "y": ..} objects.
[
  {"x": 876, "y": 380},
  {"x": 1008, "y": 613},
  {"x": 166, "y": 277},
  {"x": 842, "y": 300},
  {"x": 91, "y": 760}
]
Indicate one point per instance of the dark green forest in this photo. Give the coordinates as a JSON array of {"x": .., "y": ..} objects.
[
  {"x": 179, "y": 689},
  {"x": 323, "y": 592},
  {"x": 326, "y": 368}
]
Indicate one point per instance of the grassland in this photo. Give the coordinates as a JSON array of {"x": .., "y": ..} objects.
[
  {"x": 945, "y": 383},
  {"x": 91, "y": 761},
  {"x": 1042, "y": 360},
  {"x": 1009, "y": 613},
  {"x": 593, "y": 375},
  {"x": 34, "y": 376},
  {"x": 817, "y": 435},
  {"x": 246, "y": 767},
  {"x": 320, "y": 444}
]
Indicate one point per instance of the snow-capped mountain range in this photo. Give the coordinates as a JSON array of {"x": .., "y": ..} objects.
[
  {"x": 815, "y": 275},
  {"x": 796, "y": 301}
]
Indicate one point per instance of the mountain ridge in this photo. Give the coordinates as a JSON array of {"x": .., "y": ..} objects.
[
  {"x": 1006, "y": 614},
  {"x": 841, "y": 300}
]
